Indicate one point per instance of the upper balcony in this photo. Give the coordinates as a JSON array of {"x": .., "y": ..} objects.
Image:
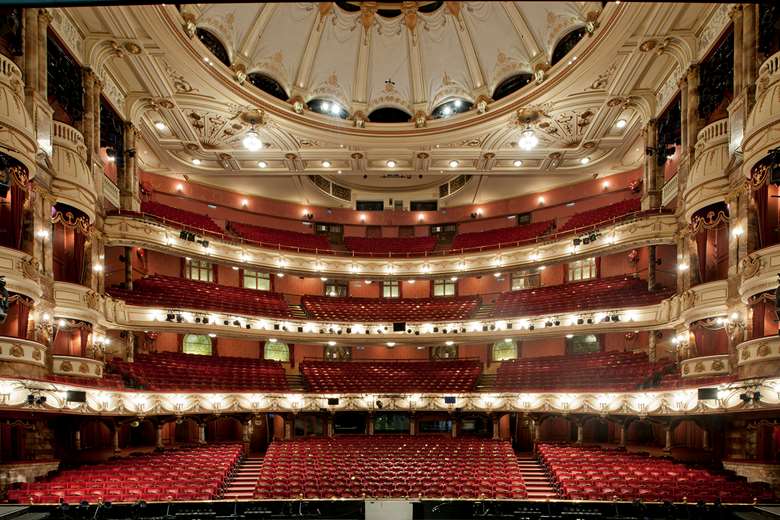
[
  {"x": 627, "y": 231},
  {"x": 762, "y": 129},
  {"x": 73, "y": 182},
  {"x": 16, "y": 127},
  {"x": 707, "y": 181}
]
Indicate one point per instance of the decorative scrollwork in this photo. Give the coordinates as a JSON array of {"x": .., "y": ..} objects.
[
  {"x": 712, "y": 220},
  {"x": 750, "y": 266},
  {"x": 69, "y": 219}
]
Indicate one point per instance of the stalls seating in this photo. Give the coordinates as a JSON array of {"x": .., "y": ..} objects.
[
  {"x": 183, "y": 474},
  {"x": 584, "y": 473},
  {"x": 390, "y": 466}
]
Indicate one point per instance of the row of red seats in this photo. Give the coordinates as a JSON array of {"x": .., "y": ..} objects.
[
  {"x": 583, "y": 473},
  {"x": 390, "y": 245},
  {"x": 391, "y": 377},
  {"x": 502, "y": 236},
  {"x": 604, "y": 214},
  {"x": 615, "y": 292},
  {"x": 389, "y": 309},
  {"x": 280, "y": 237},
  {"x": 188, "y": 219},
  {"x": 169, "y": 371},
  {"x": 390, "y": 466},
  {"x": 183, "y": 474},
  {"x": 170, "y": 292},
  {"x": 603, "y": 371}
]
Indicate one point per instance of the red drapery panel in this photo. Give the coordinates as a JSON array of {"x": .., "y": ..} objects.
[
  {"x": 765, "y": 231},
  {"x": 759, "y": 310},
  {"x": 22, "y": 316},
  {"x": 701, "y": 250},
  {"x": 79, "y": 255}
]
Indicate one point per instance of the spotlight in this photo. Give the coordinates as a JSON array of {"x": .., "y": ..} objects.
[
  {"x": 179, "y": 318},
  {"x": 226, "y": 322},
  {"x": 548, "y": 323},
  {"x": 590, "y": 321},
  {"x": 170, "y": 316},
  {"x": 40, "y": 400},
  {"x": 756, "y": 396},
  {"x": 379, "y": 404},
  {"x": 745, "y": 398},
  {"x": 580, "y": 321},
  {"x": 615, "y": 317},
  {"x": 531, "y": 327},
  {"x": 30, "y": 399},
  {"x": 576, "y": 242},
  {"x": 557, "y": 322}
]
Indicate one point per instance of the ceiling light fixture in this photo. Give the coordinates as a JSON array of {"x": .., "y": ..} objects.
[
  {"x": 391, "y": 163},
  {"x": 454, "y": 164},
  {"x": 518, "y": 163},
  {"x": 159, "y": 125},
  {"x": 621, "y": 123},
  {"x": 252, "y": 141},
  {"x": 262, "y": 164},
  {"x": 326, "y": 164},
  {"x": 196, "y": 162},
  {"x": 585, "y": 160},
  {"x": 528, "y": 139}
]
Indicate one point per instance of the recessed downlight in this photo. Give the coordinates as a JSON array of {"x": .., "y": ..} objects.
[
  {"x": 196, "y": 162},
  {"x": 621, "y": 123},
  {"x": 391, "y": 163},
  {"x": 454, "y": 164},
  {"x": 585, "y": 160},
  {"x": 326, "y": 164},
  {"x": 262, "y": 164},
  {"x": 518, "y": 163}
]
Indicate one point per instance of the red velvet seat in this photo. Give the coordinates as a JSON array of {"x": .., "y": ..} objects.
[
  {"x": 402, "y": 246},
  {"x": 184, "y": 474},
  {"x": 454, "y": 376},
  {"x": 606, "y": 371},
  {"x": 385, "y": 466},
  {"x": 588, "y": 219},
  {"x": 172, "y": 371},
  {"x": 506, "y": 237},
  {"x": 188, "y": 219},
  {"x": 615, "y": 292},
  {"x": 596, "y": 474},
  {"x": 271, "y": 237},
  {"x": 170, "y": 292},
  {"x": 389, "y": 309}
]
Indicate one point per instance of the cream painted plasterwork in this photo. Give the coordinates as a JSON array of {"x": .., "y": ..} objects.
[
  {"x": 212, "y": 87},
  {"x": 683, "y": 402}
]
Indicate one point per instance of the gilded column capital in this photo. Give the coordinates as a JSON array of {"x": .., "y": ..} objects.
[
  {"x": 692, "y": 72},
  {"x": 44, "y": 16},
  {"x": 735, "y": 11}
]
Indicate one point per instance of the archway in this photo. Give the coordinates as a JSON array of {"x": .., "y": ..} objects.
[{"x": 224, "y": 429}]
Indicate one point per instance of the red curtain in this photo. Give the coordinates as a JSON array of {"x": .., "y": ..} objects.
[
  {"x": 759, "y": 309},
  {"x": 701, "y": 249},
  {"x": 765, "y": 231},
  {"x": 85, "y": 330},
  {"x": 18, "y": 196},
  {"x": 79, "y": 256},
  {"x": 23, "y": 314}
]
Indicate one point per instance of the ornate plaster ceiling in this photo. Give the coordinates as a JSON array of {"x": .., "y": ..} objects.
[{"x": 190, "y": 108}]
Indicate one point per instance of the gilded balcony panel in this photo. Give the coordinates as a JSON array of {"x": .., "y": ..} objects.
[
  {"x": 758, "y": 272},
  {"x": 73, "y": 183},
  {"x": 762, "y": 129},
  {"x": 759, "y": 357},
  {"x": 705, "y": 366},
  {"x": 699, "y": 302},
  {"x": 75, "y": 366},
  {"x": 707, "y": 180},
  {"x": 22, "y": 358},
  {"x": 77, "y": 302},
  {"x": 16, "y": 127},
  {"x": 20, "y": 272}
]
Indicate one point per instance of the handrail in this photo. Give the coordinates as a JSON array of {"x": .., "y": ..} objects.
[
  {"x": 539, "y": 240},
  {"x": 404, "y": 360}
]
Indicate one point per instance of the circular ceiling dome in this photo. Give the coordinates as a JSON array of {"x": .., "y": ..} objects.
[{"x": 412, "y": 56}]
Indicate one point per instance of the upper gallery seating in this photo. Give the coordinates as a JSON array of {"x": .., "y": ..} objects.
[
  {"x": 280, "y": 237},
  {"x": 391, "y": 376},
  {"x": 167, "y": 371},
  {"x": 188, "y": 219},
  {"x": 596, "y": 474},
  {"x": 389, "y": 309},
  {"x": 587, "y": 219},
  {"x": 170, "y": 292},
  {"x": 112, "y": 381},
  {"x": 602, "y": 293},
  {"x": 501, "y": 236},
  {"x": 603, "y": 371},
  {"x": 186, "y": 474},
  {"x": 394, "y": 245},
  {"x": 390, "y": 466}
]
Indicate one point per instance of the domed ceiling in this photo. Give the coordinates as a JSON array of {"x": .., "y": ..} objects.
[
  {"x": 408, "y": 56},
  {"x": 240, "y": 96}
]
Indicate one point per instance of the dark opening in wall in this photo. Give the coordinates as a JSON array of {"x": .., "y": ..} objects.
[
  {"x": 716, "y": 81},
  {"x": 268, "y": 85},
  {"x": 389, "y": 115},
  {"x": 213, "y": 44},
  {"x": 566, "y": 44},
  {"x": 512, "y": 84}
]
